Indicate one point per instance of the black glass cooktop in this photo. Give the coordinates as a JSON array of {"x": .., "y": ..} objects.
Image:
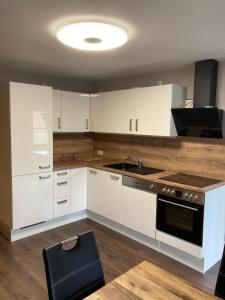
[{"x": 191, "y": 180}]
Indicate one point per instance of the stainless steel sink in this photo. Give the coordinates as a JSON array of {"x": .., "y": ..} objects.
[{"x": 132, "y": 168}]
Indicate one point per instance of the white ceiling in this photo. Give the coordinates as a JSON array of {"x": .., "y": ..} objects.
[{"x": 164, "y": 34}]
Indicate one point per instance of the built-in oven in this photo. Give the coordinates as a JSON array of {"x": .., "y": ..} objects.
[{"x": 181, "y": 219}]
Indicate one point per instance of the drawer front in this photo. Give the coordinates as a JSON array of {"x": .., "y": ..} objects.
[
  {"x": 61, "y": 188},
  {"x": 61, "y": 207},
  {"x": 62, "y": 174}
]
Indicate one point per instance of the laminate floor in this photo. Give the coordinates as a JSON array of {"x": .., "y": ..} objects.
[{"x": 22, "y": 271}]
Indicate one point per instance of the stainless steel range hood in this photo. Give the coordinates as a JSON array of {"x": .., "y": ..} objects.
[{"x": 204, "y": 119}]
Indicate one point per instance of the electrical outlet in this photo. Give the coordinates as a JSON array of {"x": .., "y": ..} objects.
[{"x": 100, "y": 152}]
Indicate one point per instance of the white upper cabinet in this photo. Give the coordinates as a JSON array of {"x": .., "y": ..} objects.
[
  {"x": 75, "y": 112},
  {"x": 31, "y": 128},
  {"x": 145, "y": 111},
  {"x": 153, "y": 109},
  {"x": 57, "y": 111},
  {"x": 113, "y": 112}
]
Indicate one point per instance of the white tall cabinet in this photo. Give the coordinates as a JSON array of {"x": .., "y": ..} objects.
[
  {"x": 31, "y": 128},
  {"x": 27, "y": 194},
  {"x": 70, "y": 112}
]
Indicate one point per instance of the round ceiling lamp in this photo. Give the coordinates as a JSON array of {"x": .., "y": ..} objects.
[{"x": 92, "y": 36}]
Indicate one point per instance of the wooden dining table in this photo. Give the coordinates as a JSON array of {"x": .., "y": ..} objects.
[{"x": 148, "y": 281}]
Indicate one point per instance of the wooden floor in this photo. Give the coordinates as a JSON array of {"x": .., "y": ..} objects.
[{"x": 22, "y": 272}]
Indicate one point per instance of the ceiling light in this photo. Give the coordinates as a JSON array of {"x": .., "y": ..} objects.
[{"x": 92, "y": 36}]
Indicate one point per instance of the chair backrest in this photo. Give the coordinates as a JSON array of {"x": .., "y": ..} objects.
[
  {"x": 220, "y": 284},
  {"x": 73, "y": 273}
]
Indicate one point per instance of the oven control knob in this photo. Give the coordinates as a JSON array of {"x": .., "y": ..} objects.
[
  {"x": 168, "y": 191},
  {"x": 172, "y": 192},
  {"x": 190, "y": 196},
  {"x": 185, "y": 195},
  {"x": 196, "y": 197},
  {"x": 163, "y": 189},
  {"x": 151, "y": 186}
]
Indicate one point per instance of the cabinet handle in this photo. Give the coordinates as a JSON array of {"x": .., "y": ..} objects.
[
  {"x": 59, "y": 123},
  {"x": 92, "y": 172},
  {"x": 115, "y": 178},
  {"x": 44, "y": 167},
  {"x": 137, "y": 125},
  {"x": 44, "y": 177},
  {"x": 62, "y": 183},
  {"x": 131, "y": 124},
  {"x": 61, "y": 202},
  {"x": 87, "y": 125},
  {"x": 62, "y": 173}
]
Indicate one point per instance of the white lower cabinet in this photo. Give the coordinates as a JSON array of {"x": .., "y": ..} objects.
[
  {"x": 94, "y": 202},
  {"x": 61, "y": 206},
  {"x": 32, "y": 199},
  {"x": 111, "y": 189},
  {"x": 139, "y": 211},
  {"x": 104, "y": 194},
  {"x": 78, "y": 189}
]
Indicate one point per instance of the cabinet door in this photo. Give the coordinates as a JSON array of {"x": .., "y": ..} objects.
[
  {"x": 57, "y": 111},
  {"x": 31, "y": 128},
  {"x": 113, "y": 112},
  {"x": 111, "y": 185},
  {"x": 153, "y": 110},
  {"x": 75, "y": 112},
  {"x": 78, "y": 189},
  {"x": 32, "y": 199},
  {"x": 139, "y": 211},
  {"x": 94, "y": 190}
]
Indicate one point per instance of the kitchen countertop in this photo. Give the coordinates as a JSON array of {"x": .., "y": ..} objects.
[{"x": 96, "y": 162}]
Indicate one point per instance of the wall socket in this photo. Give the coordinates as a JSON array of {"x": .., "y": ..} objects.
[{"x": 100, "y": 152}]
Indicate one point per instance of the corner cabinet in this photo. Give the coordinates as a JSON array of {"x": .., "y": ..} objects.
[
  {"x": 144, "y": 111},
  {"x": 71, "y": 112}
]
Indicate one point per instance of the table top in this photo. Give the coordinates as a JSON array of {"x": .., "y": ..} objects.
[{"x": 147, "y": 281}]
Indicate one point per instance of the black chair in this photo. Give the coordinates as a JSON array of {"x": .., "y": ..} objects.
[
  {"x": 73, "y": 272},
  {"x": 220, "y": 284}
]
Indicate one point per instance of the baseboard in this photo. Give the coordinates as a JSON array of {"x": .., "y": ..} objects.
[{"x": 18, "y": 234}]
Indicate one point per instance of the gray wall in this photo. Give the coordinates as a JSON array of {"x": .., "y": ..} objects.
[
  {"x": 183, "y": 76},
  {"x": 63, "y": 83}
]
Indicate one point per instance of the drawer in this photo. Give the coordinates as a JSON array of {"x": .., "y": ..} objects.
[
  {"x": 61, "y": 188},
  {"x": 61, "y": 206},
  {"x": 61, "y": 174}
]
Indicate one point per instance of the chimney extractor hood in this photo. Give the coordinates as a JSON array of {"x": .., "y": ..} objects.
[
  {"x": 198, "y": 122},
  {"x": 204, "y": 119}
]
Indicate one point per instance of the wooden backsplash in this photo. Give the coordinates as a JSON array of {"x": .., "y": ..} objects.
[
  {"x": 204, "y": 157},
  {"x": 67, "y": 145}
]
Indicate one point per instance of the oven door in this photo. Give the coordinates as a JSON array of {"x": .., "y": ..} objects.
[{"x": 180, "y": 218}]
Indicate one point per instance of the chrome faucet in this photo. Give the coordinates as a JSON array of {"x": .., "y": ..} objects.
[{"x": 137, "y": 161}]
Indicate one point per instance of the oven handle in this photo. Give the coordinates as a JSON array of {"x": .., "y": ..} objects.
[{"x": 180, "y": 205}]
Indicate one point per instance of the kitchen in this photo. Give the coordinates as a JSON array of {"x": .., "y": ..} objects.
[{"x": 137, "y": 159}]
